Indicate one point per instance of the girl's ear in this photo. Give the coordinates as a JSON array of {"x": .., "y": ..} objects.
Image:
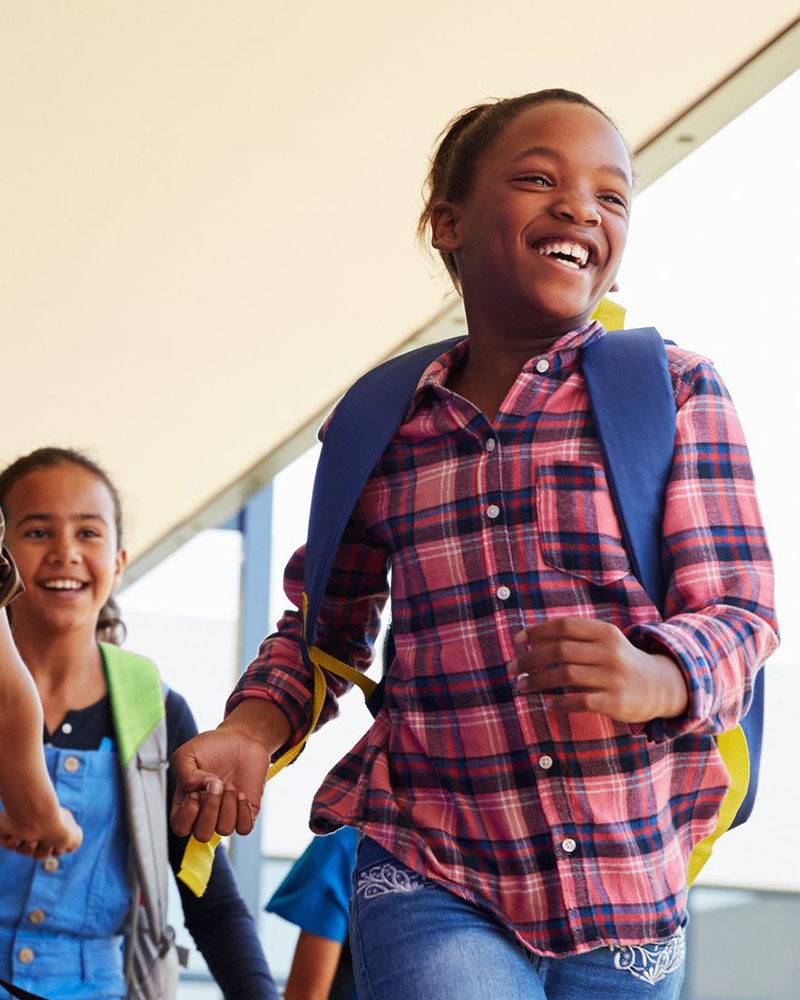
[
  {"x": 445, "y": 227},
  {"x": 119, "y": 566}
]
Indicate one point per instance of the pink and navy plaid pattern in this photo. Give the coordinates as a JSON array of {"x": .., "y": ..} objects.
[{"x": 573, "y": 829}]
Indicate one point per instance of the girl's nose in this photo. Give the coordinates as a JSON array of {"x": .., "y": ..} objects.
[
  {"x": 577, "y": 208},
  {"x": 62, "y": 551}
]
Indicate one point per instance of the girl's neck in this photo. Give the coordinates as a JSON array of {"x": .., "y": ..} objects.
[
  {"x": 496, "y": 357},
  {"x": 61, "y": 661}
]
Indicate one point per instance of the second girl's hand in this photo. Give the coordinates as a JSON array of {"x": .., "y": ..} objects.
[{"x": 220, "y": 774}]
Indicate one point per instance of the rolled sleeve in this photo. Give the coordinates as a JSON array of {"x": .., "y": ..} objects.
[{"x": 720, "y": 622}]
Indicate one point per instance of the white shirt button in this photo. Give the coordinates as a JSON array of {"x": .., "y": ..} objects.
[
  {"x": 67, "y": 728},
  {"x": 25, "y": 955},
  {"x": 542, "y": 365},
  {"x": 71, "y": 764},
  {"x": 569, "y": 845},
  {"x": 546, "y": 761},
  {"x": 491, "y": 444},
  {"x": 50, "y": 864},
  {"x": 492, "y": 511},
  {"x": 503, "y": 593}
]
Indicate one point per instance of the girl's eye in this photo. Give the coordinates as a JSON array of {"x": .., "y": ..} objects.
[
  {"x": 538, "y": 179},
  {"x": 89, "y": 533},
  {"x": 36, "y": 533},
  {"x": 614, "y": 199}
]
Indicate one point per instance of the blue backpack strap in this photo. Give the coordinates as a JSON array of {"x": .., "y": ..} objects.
[
  {"x": 752, "y": 725},
  {"x": 364, "y": 423},
  {"x": 633, "y": 406},
  {"x": 634, "y": 411}
]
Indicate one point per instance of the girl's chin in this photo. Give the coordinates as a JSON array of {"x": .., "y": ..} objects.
[
  {"x": 558, "y": 305},
  {"x": 64, "y": 618}
]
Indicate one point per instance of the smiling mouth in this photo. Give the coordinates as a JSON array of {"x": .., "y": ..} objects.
[
  {"x": 64, "y": 584},
  {"x": 568, "y": 252}
]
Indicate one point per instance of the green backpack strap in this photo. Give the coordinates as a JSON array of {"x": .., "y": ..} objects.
[
  {"x": 138, "y": 712},
  {"x": 137, "y": 697}
]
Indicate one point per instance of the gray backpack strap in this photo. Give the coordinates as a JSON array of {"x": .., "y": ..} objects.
[{"x": 137, "y": 707}]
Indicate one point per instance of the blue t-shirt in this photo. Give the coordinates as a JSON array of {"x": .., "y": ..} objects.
[{"x": 315, "y": 895}]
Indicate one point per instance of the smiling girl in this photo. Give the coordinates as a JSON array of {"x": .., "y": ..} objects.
[
  {"x": 63, "y": 923},
  {"x": 543, "y": 762}
]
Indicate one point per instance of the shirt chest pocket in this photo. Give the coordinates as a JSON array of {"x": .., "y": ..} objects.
[{"x": 578, "y": 527}]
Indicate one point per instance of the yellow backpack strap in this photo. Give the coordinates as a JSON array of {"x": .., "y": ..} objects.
[
  {"x": 610, "y": 314},
  {"x": 733, "y": 748},
  {"x": 198, "y": 858}
]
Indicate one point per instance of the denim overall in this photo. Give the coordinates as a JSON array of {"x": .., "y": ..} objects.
[{"x": 61, "y": 920}]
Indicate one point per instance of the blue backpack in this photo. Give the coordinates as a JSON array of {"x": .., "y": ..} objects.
[{"x": 633, "y": 406}]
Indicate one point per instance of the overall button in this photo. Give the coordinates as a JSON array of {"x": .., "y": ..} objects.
[
  {"x": 26, "y": 955},
  {"x": 66, "y": 728},
  {"x": 542, "y": 365},
  {"x": 546, "y": 762},
  {"x": 492, "y": 511},
  {"x": 491, "y": 444},
  {"x": 71, "y": 764},
  {"x": 50, "y": 864},
  {"x": 568, "y": 845},
  {"x": 503, "y": 593},
  {"x": 36, "y": 916}
]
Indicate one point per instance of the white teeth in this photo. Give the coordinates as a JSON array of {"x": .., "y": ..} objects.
[
  {"x": 63, "y": 585},
  {"x": 578, "y": 253}
]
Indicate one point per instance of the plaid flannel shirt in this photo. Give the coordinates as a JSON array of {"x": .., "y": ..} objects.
[{"x": 573, "y": 829}]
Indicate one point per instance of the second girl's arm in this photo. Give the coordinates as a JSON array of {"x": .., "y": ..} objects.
[
  {"x": 219, "y": 922},
  {"x": 220, "y": 775},
  {"x": 32, "y": 818}
]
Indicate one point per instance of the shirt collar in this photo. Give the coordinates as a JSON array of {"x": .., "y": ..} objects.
[{"x": 562, "y": 352}]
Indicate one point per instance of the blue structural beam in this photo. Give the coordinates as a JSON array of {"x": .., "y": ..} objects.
[{"x": 255, "y": 523}]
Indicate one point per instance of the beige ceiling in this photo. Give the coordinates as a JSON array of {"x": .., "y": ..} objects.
[{"x": 207, "y": 209}]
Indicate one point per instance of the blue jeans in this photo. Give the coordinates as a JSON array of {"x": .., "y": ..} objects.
[{"x": 414, "y": 940}]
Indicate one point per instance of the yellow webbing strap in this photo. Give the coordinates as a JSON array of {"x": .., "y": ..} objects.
[
  {"x": 736, "y": 757},
  {"x": 198, "y": 858},
  {"x": 196, "y": 864},
  {"x": 610, "y": 314}
]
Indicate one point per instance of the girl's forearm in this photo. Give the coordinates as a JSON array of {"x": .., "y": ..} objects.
[
  {"x": 313, "y": 968},
  {"x": 25, "y": 787}
]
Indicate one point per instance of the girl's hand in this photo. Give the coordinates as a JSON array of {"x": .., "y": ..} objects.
[
  {"x": 583, "y": 665},
  {"x": 64, "y": 838},
  {"x": 220, "y": 775}
]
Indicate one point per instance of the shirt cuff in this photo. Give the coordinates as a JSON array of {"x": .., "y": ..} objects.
[
  {"x": 284, "y": 691},
  {"x": 693, "y": 663}
]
